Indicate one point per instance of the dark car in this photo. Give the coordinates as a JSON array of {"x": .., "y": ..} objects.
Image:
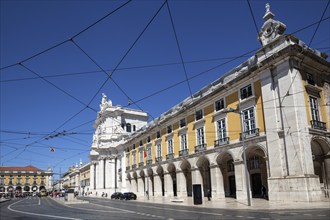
[
  {"x": 129, "y": 196},
  {"x": 117, "y": 195}
]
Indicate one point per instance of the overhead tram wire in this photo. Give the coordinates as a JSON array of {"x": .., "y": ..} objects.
[
  {"x": 63, "y": 42},
  {"x": 180, "y": 52},
  {"x": 71, "y": 40},
  {"x": 62, "y": 90},
  {"x": 155, "y": 65},
  {"x": 310, "y": 42},
  {"x": 122, "y": 59}
]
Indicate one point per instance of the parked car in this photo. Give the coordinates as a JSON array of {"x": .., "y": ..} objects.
[
  {"x": 117, "y": 195},
  {"x": 129, "y": 196}
]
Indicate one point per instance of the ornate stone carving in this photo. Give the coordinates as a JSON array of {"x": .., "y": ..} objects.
[{"x": 271, "y": 29}]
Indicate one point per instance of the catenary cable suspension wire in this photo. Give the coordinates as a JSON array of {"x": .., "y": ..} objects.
[
  {"x": 49, "y": 82},
  {"x": 316, "y": 29},
  {"x": 63, "y": 42},
  {"x": 121, "y": 60},
  {"x": 179, "y": 49}
]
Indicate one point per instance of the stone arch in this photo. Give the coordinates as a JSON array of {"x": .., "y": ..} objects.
[
  {"x": 256, "y": 159},
  {"x": 186, "y": 170},
  {"x": 225, "y": 162},
  {"x": 171, "y": 169},
  {"x": 321, "y": 161},
  {"x": 203, "y": 165},
  {"x": 160, "y": 178},
  {"x": 150, "y": 176}
]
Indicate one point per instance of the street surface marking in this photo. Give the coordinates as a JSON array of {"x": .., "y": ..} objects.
[
  {"x": 308, "y": 214},
  {"x": 179, "y": 210},
  {"x": 39, "y": 201},
  {"x": 239, "y": 216},
  {"x": 321, "y": 215},
  {"x": 31, "y": 213}
]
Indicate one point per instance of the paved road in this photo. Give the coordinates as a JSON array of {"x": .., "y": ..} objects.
[{"x": 97, "y": 208}]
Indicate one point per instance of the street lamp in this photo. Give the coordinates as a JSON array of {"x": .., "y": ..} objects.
[{"x": 237, "y": 111}]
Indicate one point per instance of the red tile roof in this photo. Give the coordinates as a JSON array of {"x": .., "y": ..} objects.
[{"x": 27, "y": 168}]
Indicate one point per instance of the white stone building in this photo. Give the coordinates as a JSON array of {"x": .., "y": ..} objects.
[
  {"x": 112, "y": 126},
  {"x": 275, "y": 106}
]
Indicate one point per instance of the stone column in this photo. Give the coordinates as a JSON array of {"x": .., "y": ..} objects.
[
  {"x": 217, "y": 182},
  {"x": 91, "y": 177},
  {"x": 168, "y": 185},
  {"x": 140, "y": 189},
  {"x": 100, "y": 184},
  {"x": 111, "y": 175},
  {"x": 158, "y": 185},
  {"x": 241, "y": 193},
  {"x": 181, "y": 183}
]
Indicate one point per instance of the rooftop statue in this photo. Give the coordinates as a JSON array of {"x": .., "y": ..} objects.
[{"x": 105, "y": 103}]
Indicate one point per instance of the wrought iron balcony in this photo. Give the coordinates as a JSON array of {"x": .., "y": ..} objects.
[
  {"x": 221, "y": 141},
  {"x": 133, "y": 166},
  {"x": 200, "y": 148},
  {"x": 141, "y": 164},
  {"x": 158, "y": 159},
  {"x": 169, "y": 156},
  {"x": 183, "y": 152},
  {"x": 250, "y": 133},
  {"x": 149, "y": 162},
  {"x": 119, "y": 170},
  {"x": 128, "y": 168},
  {"x": 318, "y": 125}
]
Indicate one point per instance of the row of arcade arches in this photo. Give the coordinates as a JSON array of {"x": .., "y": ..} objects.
[
  {"x": 220, "y": 171},
  {"x": 173, "y": 179}
]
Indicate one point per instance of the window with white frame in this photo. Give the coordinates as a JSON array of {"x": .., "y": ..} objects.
[
  {"x": 246, "y": 91},
  {"x": 249, "y": 121},
  {"x": 27, "y": 179},
  {"x": 169, "y": 129},
  {"x": 183, "y": 141},
  {"x": 149, "y": 153},
  {"x": 221, "y": 129},
  {"x": 134, "y": 157},
  {"x": 2, "y": 181},
  {"x": 219, "y": 105},
  {"x": 199, "y": 114},
  {"x": 159, "y": 150},
  {"x": 254, "y": 163},
  {"x": 127, "y": 160},
  {"x": 182, "y": 123},
  {"x": 170, "y": 146},
  {"x": 141, "y": 155},
  {"x": 200, "y": 136},
  {"x": 314, "y": 108}
]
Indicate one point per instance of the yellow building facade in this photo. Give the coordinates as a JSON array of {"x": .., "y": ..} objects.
[
  {"x": 17, "y": 180},
  {"x": 259, "y": 131}
]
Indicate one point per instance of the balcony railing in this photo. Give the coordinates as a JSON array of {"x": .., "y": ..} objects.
[
  {"x": 169, "y": 156},
  {"x": 318, "y": 125},
  {"x": 128, "y": 168},
  {"x": 221, "y": 141},
  {"x": 200, "y": 148},
  {"x": 141, "y": 164},
  {"x": 133, "y": 166},
  {"x": 250, "y": 133},
  {"x": 183, "y": 152},
  {"x": 149, "y": 162},
  {"x": 158, "y": 159},
  {"x": 119, "y": 170}
]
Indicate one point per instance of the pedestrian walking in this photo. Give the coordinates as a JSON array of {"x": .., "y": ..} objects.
[
  {"x": 209, "y": 195},
  {"x": 263, "y": 191}
]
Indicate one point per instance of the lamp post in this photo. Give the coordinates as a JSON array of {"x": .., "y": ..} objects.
[{"x": 237, "y": 111}]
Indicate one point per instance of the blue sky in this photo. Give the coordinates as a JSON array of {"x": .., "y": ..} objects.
[{"x": 44, "y": 99}]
